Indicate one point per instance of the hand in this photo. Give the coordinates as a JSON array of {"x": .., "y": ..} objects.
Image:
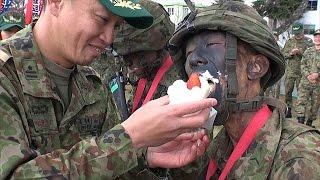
[
  {"x": 312, "y": 77},
  {"x": 157, "y": 122},
  {"x": 177, "y": 153},
  {"x": 295, "y": 51}
]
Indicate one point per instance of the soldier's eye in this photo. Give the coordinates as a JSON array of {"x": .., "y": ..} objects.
[{"x": 211, "y": 44}]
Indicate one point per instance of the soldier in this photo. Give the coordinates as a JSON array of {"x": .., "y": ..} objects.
[
  {"x": 293, "y": 51},
  {"x": 144, "y": 53},
  {"x": 57, "y": 120},
  {"x": 11, "y": 22},
  {"x": 309, "y": 87},
  {"x": 233, "y": 42}
]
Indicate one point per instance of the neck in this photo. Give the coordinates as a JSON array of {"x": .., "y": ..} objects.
[
  {"x": 46, "y": 41},
  {"x": 238, "y": 122},
  {"x": 317, "y": 46}
]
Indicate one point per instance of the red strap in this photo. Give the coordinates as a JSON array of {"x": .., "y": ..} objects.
[
  {"x": 1, "y": 1},
  {"x": 142, "y": 84},
  {"x": 29, "y": 7},
  {"x": 137, "y": 97},
  {"x": 256, "y": 123},
  {"x": 211, "y": 169},
  {"x": 163, "y": 69}
]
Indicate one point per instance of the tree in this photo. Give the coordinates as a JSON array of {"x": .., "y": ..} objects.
[{"x": 283, "y": 12}]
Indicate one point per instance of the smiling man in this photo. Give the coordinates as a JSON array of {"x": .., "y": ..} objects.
[
  {"x": 56, "y": 118},
  {"x": 233, "y": 42}
]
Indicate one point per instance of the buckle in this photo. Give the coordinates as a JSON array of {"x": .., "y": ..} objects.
[{"x": 246, "y": 106}]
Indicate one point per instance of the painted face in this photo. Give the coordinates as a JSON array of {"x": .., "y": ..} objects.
[
  {"x": 206, "y": 51},
  {"x": 84, "y": 28},
  {"x": 141, "y": 63}
]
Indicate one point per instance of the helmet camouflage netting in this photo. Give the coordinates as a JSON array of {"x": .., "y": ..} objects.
[{"x": 131, "y": 40}]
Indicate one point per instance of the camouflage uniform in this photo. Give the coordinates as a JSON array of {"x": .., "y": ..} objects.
[
  {"x": 281, "y": 149},
  {"x": 293, "y": 71},
  {"x": 107, "y": 65},
  {"x": 37, "y": 140},
  {"x": 130, "y": 40},
  {"x": 307, "y": 91}
]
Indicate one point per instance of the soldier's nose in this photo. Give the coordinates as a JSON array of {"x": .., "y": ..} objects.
[{"x": 197, "y": 61}]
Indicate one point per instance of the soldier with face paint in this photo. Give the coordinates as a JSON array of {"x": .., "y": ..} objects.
[
  {"x": 233, "y": 42},
  {"x": 57, "y": 120}
]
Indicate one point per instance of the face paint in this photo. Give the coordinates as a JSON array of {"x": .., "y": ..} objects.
[
  {"x": 206, "y": 51},
  {"x": 143, "y": 63}
]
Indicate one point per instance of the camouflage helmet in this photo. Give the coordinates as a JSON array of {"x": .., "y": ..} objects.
[
  {"x": 239, "y": 20},
  {"x": 130, "y": 39}
]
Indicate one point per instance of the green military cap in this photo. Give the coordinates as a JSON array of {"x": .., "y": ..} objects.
[
  {"x": 10, "y": 19},
  {"x": 316, "y": 32},
  {"x": 131, "y": 11},
  {"x": 297, "y": 28}
]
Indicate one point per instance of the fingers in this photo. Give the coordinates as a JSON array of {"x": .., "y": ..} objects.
[
  {"x": 191, "y": 136},
  {"x": 193, "y": 121},
  {"x": 161, "y": 101},
  {"x": 192, "y": 107}
]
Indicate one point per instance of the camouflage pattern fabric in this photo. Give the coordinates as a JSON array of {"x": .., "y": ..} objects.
[
  {"x": 38, "y": 140},
  {"x": 293, "y": 74},
  {"x": 282, "y": 149},
  {"x": 309, "y": 92},
  {"x": 130, "y": 40},
  {"x": 107, "y": 65}
]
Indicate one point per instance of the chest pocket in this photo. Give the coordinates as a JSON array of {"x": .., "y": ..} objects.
[
  {"x": 88, "y": 122},
  {"x": 43, "y": 125}
]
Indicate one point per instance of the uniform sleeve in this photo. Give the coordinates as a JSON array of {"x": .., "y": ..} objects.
[
  {"x": 305, "y": 63},
  {"x": 107, "y": 156},
  {"x": 287, "y": 49}
]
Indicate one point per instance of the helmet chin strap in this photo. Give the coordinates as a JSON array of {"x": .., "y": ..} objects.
[{"x": 232, "y": 81}]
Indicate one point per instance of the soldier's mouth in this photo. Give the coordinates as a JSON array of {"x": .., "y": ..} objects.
[{"x": 209, "y": 82}]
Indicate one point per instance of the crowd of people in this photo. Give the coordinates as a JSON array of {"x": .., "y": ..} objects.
[{"x": 83, "y": 94}]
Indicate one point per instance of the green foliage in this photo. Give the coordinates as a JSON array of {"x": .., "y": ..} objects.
[{"x": 277, "y": 9}]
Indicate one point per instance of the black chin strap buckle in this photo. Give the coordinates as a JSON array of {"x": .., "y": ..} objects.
[{"x": 247, "y": 106}]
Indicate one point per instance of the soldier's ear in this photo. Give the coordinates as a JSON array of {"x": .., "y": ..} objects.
[
  {"x": 257, "y": 66},
  {"x": 54, "y": 6}
]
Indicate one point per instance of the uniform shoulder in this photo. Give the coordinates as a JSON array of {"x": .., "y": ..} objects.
[{"x": 297, "y": 138}]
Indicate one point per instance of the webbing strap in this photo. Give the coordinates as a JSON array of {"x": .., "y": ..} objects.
[
  {"x": 256, "y": 123},
  {"x": 142, "y": 84},
  {"x": 164, "y": 68},
  {"x": 231, "y": 57},
  {"x": 137, "y": 97}
]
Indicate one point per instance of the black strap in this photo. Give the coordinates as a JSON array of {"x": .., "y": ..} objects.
[
  {"x": 246, "y": 106},
  {"x": 231, "y": 57}
]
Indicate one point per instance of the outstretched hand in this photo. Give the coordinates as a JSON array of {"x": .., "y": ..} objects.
[
  {"x": 159, "y": 122},
  {"x": 179, "y": 152}
]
